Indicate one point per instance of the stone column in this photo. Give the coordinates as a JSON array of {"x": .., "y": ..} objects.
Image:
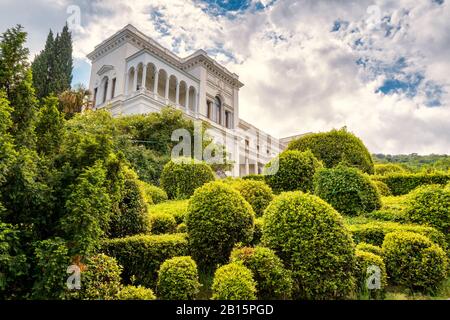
[
  {"x": 135, "y": 79},
  {"x": 247, "y": 167},
  {"x": 177, "y": 94},
  {"x": 166, "y": 95},
  {"x": 187, "y": 99},
  {"x": 144, "y": 77},
  {"x": 127, "y": 76},
  {"x": 155, "y": 87}
]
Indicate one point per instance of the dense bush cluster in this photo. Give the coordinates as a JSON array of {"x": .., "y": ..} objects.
[
  {"x": 414, "y": 261},
  {"x": 310, "y": 237},
  {"x": 178, "y": 279},
  {"x": 233, "y": 282},
  {"x": 218, "y": 217},
  {"x": 382, "y": 187},
  {"x": 347, "y": 190},
  {"x": 335, "y": 147},
  {"x": 292, "y": 170},
  {"x": 162, "y": 223},
  {"x": 401, "y": 183},
  {"x": 136, "y": 293},
  {"x": 180, "y": 177},
  {"x": 383, "y": 169},
  {"x": 367, "y": 247},
  {"x": 273, "y": 281},
  {"x": 370, "y": 270},
  {"x": 256, "y": 193},
  {"x": 154, "y": 194},
  {"x": 176, "y": 208}
]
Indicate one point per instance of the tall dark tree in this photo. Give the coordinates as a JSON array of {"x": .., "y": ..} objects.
[
  {"x": 42, "y": 67},
  {"x": 63, "y": 61}
]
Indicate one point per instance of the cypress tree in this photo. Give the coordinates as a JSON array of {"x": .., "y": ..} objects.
[{"x": 42, "y": 68}]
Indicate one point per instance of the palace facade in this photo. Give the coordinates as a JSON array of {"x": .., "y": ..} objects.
[{"x": 133, "y": 74}]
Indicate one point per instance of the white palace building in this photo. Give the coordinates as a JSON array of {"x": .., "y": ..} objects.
[{"x": 133, "y": 74}]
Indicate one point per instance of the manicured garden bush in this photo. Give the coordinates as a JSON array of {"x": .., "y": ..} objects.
[
  {"x": 154, "y": 194},
  {"x": 181, "y": 228},
  {"x": 180, "y": 177},
  {"x": 257, "y": 232},
  {"x": 132, "y": 216},
  {"x": 256, "y": 193},
  {"x": 136, "y": 293},
  {"x": 334, "y": 147},
  {"x": 233, "y": 282},
  {"x": 273, "y": 281},
  {"x": 162, "y": 223},
  {"x": 403, "y": 183},
  {"x": 257, "y": 177},
  {"x": 367, "y": 247},
  {"x": 217, "y": 218},
  {"x": 430, "y": 205},
  {"x": 382, "y": 187},
  {"x": 178, "y": 279},
  {"x": 295, "y": 171},
  {"x": 412, "y": 260},
  {"x": 347, "y": 190},
  {"x": 142, "y": 255},
  {"x": 310, "y": 237},
  {"x": 371, "y": 274},
  {"x": 177, "y": 208},
  {"x": 383, "y": 169},
  {"x": 375, "y": 232}
]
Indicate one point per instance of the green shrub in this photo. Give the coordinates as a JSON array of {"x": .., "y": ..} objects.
[
  {"x": 182, "y": 176},
  {"x": 257, "y": 232},
  {"x": 233, "y": 282},
  {"x": 176, "y": 208},
  {"x": 295, "y": 171},
  {"x": 347, "y": 190},
  {"x": 412, "y": 260},
  {"x": 375, "y": 232},
  {"x": 310, "y": 237},
  {"x": 334, "y": 147},
  {"x": 154, "y": 194},
  {"x": 136, "y": 293},
  {"x": 367, "y": 247},
  {"x": 162, "y": 223},
  {"x": 132, "y": 216},
  {"x": 273, "y": 281},
  {"x": 382, "y": 187},
  {"x": 178, "y": 279},
  {"x": 142, "y": 255},
  {"x": 181, "y": 228},
  {"x": 430, "y": 205},
  {"x": 217, "y": 218},
  {"x": 256, "y": 193},
  {"x": 100, "y": 278},
  {"x": 371, "y": 274},
  {"x": 383, "y": 169},
  {"x": 257, "y": 177},
  {"x": 401, "y": 183}
]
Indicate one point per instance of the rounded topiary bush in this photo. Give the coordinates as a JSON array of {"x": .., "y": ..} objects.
[
  {"x": 383, "y": 169},
  {"x": 370, "y": 274},
  {"x": 257, "y": 193},
  {"x": 180, "y": 177},
  {"x": 154, "y": 194},
  {"x": 273, "y": 281},
  {"x": 136, "y": 293},
  {"x": 412, "y": 260},
  {"x": 367, "y": 247},
  {"x": 383, "y": 188},
  {"x": 233, "y": 282},
  {"x": 348, "y": 190},
  {"x": 311, "y": 239},
  {"x": 182, "y": 228},
  {"x": 257, "y": 232},
  {"x": 217, "y": 218},
  {"x": 162, "y": 223},
  {"x": 178, "y": 279},
  {"x": 292, "y": 170},
  {"x": 131, "y": 217},
  {"x": 430, "y": 205},
  {"x": 334, "y": 147}
]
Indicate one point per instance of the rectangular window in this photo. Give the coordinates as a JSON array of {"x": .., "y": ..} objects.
[
  {"x": 209, "y": 109},
  {"x": 228, "y": 119},
  {"x": 113, "y": 88},
  {"x": 105, "y": 92}
]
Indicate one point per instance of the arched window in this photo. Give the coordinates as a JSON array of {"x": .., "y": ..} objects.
[{"x": 218, "y": 109}]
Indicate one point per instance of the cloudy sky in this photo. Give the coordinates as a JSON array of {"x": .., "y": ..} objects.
[{"x": 379, "y": 67}]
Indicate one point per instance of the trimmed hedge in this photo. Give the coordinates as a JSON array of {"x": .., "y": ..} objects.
[
  {"x": 177, "y": 208},
  {"x": 367, "y": 247},
  {"x": 218, "y": 217},
  {"x": 367, "y": 274},
  {"x": 142, "y": 255},
  {"x": 178, "y": 279},
  {"x": 257, "y": 177},
  {"x": 400, "y": 183},
  {"x": 335, "y": 147},
  {"x": 136, "y": 293},
  {"x": 180, "y": 177},
  {"x": 233, "y": 282},
  {"x": 430, "y": 205},
  {"x": 311, "y": 239},
  {"x": 256, "y": 193},
  {"x": 412, "y": 260},
  {"x": 348, "y": 190},
  {"x": 154, "y": 194},
  {"x": 375, "y": 232},
  {"x": 383, "y": 169},
  {"x": 162, "y": 223},
  {"x": 295, "y": 171},
  {"x": 257, "y": 232},
  {"x": 181, "y": 228},
  {"x": 382, "y": 187},
  {"x": 273, "y": 281}
]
